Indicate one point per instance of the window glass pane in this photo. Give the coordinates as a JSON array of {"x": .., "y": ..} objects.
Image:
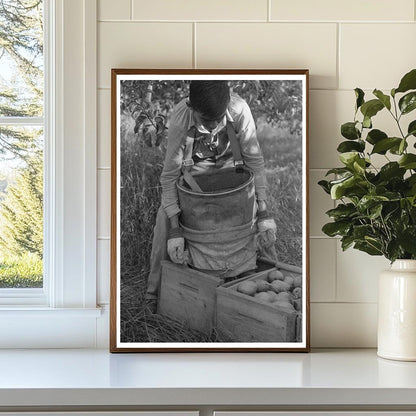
[
  {"x": 21, "y": 146},
  {"x": 21, "y": 58},
  {"x": 21, "y": 207}
]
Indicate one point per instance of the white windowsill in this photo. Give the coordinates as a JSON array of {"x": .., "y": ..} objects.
[
  {"x": 36, "y": 312},
  {"x": 323, "y": 378},
  {"x": 41, "y": 327}
]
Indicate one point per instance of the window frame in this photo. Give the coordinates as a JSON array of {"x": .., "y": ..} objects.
[
  {"x": 28, "y": 318},
  {"x": 38, "y": 296}
]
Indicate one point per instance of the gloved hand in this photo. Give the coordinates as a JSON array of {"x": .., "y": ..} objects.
[
  {"x": 266, "y": 227},
  {"x": 176, "y": 246}
]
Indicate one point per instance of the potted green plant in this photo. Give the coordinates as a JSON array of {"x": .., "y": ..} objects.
[{"x": 376, "y": 207}]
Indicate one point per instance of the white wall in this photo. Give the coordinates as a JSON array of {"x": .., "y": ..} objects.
[{"x": 345, "y": 44}]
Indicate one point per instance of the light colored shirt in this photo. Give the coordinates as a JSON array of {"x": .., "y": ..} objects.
[{"x": 181, "y": 121}]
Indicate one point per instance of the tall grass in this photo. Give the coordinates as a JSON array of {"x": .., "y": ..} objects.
[
  {"x": 282, "y": 152},
  {"x": 139, "y": 201},
  {"x": 24, "y": 271}
]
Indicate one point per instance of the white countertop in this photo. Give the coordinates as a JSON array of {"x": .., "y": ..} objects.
[{"x": 96, "y": 377}]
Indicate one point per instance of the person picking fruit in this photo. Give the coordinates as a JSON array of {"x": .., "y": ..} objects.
[{"x": 199, "y": 140}]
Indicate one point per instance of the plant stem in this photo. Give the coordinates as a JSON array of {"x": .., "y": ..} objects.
[{"x": 397, "y": 118}]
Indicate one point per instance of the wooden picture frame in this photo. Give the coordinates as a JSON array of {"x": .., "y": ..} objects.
[{"x": 200, "y": 310}]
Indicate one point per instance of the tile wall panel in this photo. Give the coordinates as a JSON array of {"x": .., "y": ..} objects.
[
  {"x": 114, "y": 10},
  {"x": 341, "y": 10},
  {"x": 142, "y": 45},
  {"x": 328, "y": 110},
  {"x": 200, "y": 10},
  {"x": 349, "y": 325},
  {"x": 357, "y": 275},
  {"x": 270, "y": 46},
  {"x": 323, "y": 269},
  {"x": 319, "y": 203},
  {"x": 389, "y": 53}
]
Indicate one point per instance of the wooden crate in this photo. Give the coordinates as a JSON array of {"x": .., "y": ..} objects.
[
  {"x": 189, "y": 296},
  {"x": 242, "y": 318}
]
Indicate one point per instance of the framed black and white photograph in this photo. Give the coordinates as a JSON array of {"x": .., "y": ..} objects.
[{"x": 209, "y": 211}]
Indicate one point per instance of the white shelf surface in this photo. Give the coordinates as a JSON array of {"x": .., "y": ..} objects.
[{"x": 95, "y": 377}]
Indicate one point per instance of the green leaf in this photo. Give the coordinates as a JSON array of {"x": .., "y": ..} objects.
[
  {"x": 338, "y": 171},
  {"x": 408, "y": 82},
  {"x": 411, "y": 180},
  {"x": 413, "y": 211},
  {"x": 342, "y": 211},
  {"x": 375, "y": 211},
  {"x": 408, "y": 161},
  {"x": 338, "y": 189},
  {"x": 346, "y": 242},
  {"x": 374, "y": 242},
  {"x": 407, "y": 240},
  {"x": 371, "y": 108},
  {"x": 391, "y": 212},
  {"x": 333, "y": 229},
  {"x": 348, "y": 158},
  {"x": 367, "y": 122},
  {"x": 391, "y": 170},
  {"x": 374, "y": 136},
  {"x": 325, "y": 186},
  {"x": 349, "y": 131},
  {"x": 342, "y": 179},
  {"x": 412, "y": 201},
  {"x": 393, "y": 92},
  {"x": 369, "y": 201},
  {"x": 385, "y": 144},
  {"x": 349, "y": 146},
  {"x": 400, "y": 148},
  {"x": 361, "y": 231},
  {"x": 368, "y": 248},
  {"x": 411, "y": 130},
  {"x": 393, "y": 250},
  {"x": 359, "y": 165},
  {"x": 385, "y": 99},
  {"x": 359, "y": 94},
  {"x": 411, "y": 183},
  {"x": 408, "y": 102}
]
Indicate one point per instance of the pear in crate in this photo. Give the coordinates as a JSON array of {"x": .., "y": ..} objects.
[
  {"x": 284, "y": 296},
  {"x": 284, "y": 305},
  {"x": 290, "y": 280},
  {"x": 275, "y": 275},
  {"x": 248, "y": 288},
  {"x": 297, "y": 293},
  {"x": 273, "y": 296},
  {"x": 280, "y": 286},
  {"x": 263, "y": 297},
  {"x": 262, "y": 285},
  {"x": 298, "y": 281}
]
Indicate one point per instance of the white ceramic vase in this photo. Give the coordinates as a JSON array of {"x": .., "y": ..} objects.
[{"x": 397, "y": 312}]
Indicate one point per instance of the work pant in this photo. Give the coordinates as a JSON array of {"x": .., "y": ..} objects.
[{"x": 159, "y": 253}]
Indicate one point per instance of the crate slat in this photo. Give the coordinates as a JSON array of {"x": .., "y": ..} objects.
[{"x": 242, "y": 318}]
